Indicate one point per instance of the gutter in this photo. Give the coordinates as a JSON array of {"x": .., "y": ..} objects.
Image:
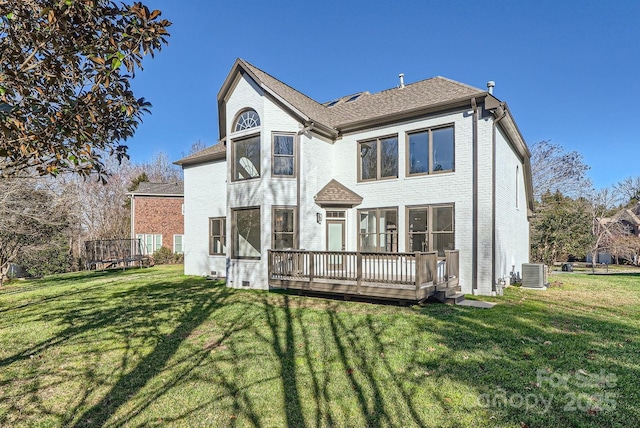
[
  {"x": 493, "y": 194},
  {"x": 474, "y": 204}
]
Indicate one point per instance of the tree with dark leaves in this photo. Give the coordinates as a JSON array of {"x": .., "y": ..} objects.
[{"x": 65, "y": 71}]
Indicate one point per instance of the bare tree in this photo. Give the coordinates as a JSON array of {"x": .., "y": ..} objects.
[
  {"x": 603, "y": 229},
  {"x": 30, "y": 216},
  {"x": 554, "y": 169},
  {"x": 160, "y": 169},
  {"x": 195, "y": 148},
  {"x": 99, "y": 210},
  {"x": 628, "y": 190},
  {"x": 627, "y": 247}
]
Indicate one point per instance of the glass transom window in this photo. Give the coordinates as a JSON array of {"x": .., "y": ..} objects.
[{"x": 247, "y": 120}]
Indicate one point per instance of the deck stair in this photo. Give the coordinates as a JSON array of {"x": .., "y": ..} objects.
[{"x": 449, "y": 294}]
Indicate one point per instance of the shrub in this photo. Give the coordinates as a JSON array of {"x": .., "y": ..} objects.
[
  {"x": 51, "y": 259},
  {"x": 165, "y": 256}
]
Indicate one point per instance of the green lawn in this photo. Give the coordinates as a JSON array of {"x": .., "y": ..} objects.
[{"x": 154, "y": 348}]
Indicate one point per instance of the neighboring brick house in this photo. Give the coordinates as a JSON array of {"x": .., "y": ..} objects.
[
  {"x": 157, "y": 216},
  {"x": 435, "y": 166}
]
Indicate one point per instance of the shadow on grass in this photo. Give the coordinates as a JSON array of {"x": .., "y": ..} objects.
[
  {"x": 97, "y": 320},
  {"x": 128, "y": 385},
  {"x": 272, "y": 359},
  {"x": 501, "y": 357}
]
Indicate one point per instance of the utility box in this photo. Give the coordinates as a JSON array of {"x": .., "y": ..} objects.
[{"x": 534, "y": 275}]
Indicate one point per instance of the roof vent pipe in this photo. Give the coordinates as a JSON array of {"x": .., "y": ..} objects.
[
  {"x": 401, "y": 76},
  {"x": 490, "y": 85}
]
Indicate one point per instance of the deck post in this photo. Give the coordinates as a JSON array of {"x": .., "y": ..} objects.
[
  {"x": 269, "y": 266},
  {"x": 447, "y": 266},
  {"x": 312, "y": 268},
  {"x": 358, "y": 271},
  {"x": 418, "y": 269}
]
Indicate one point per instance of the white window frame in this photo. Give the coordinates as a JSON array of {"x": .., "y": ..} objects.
[
  {"x": 152, "y": 242},
  {"x": 181, "y": 244}
]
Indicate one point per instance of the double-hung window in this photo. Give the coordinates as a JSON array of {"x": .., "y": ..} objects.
[
  {"x": 246, "y": 233},
  {"x": 151, "y": 242},
  {"x": 284, "y": 228},
  {"x": 430, "y": 228},
  {"x": 430, "y": 151},
  {"x": 378, "y": 230},
  {"x": 378, "y": 158},
  {"x": 217, "y": 236},
  {"x": 178, "y": 244},
  {"x": 283, "y": 155}
]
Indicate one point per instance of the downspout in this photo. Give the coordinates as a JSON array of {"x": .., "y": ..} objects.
[
  {"x": 133, "y": 216},
  {"x": 474, "y": 207},
  {"x": 500, "y": 111},
  {"x": 308, "y": 127}
]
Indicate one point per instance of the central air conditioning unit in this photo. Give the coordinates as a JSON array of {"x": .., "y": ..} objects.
[{"x": 534, "y": 276}]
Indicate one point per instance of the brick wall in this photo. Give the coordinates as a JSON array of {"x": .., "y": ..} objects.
[{"x": 159, "y": 215}]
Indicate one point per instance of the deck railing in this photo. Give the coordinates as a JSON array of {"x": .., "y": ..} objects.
[{"x": 406, "y": 270}]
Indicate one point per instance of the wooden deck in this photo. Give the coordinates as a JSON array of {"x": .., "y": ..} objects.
[{"x": 397, "y": 276}]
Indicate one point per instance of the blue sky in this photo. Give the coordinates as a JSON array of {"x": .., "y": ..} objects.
[{"x": 569, "y": 70}]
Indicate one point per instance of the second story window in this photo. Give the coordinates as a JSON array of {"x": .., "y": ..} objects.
[
  {"x": 245, "y": 150},
  {"x": 378, "y": 158},
  {"x": 246, "y": 158},
  {"x": 283, "y": 155},
  {"x": 430, "y": 151}
]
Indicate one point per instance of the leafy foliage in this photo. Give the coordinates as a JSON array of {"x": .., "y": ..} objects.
[
  {"x": 65, "y": 71},
  {"x": 561, "y": 227},
  {"x": 165, "y": 256},
  {"x": 52, "y": 257}
]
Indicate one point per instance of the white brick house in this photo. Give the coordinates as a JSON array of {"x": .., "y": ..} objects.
[{"x": 431, "y": 166}]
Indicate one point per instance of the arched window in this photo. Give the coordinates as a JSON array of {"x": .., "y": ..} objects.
[{"x": 247, "y": 120}]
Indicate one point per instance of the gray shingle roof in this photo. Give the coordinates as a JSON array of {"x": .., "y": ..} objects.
[
  {"x": 423, "y": 94},
  {"x": 414, "y": 96},
  {"x": 628, "y": 215},
  {"x": 390, "y": 103},
  {"x": 158, "y": 189},
  {"x": 336, "y": 193},
  {"x": 217, "y": 151},
  {"x": 297, "y": 99}
]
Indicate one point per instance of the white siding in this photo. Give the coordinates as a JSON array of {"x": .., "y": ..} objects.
[
  {"x": 512, "y": 225},
  {"x": 204, "y": 197},
  {"x": 449, "y": 187},
  {"x": 321, "y": 160},
  {"x": 265, "y": 192}
]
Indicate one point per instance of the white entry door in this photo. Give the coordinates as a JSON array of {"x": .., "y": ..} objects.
[{"x": 335, "y": 242}]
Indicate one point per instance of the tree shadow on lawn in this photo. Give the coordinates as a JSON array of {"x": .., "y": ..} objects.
[
  {"x": 354, "y": 384},
  {"x": 58, "y": 288},
  {"x": 158, "y": 316},
  {"x": 508, "y": 359},
  {"x": 580, "y": 363},
  {"x": 332, "y": 363}
]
